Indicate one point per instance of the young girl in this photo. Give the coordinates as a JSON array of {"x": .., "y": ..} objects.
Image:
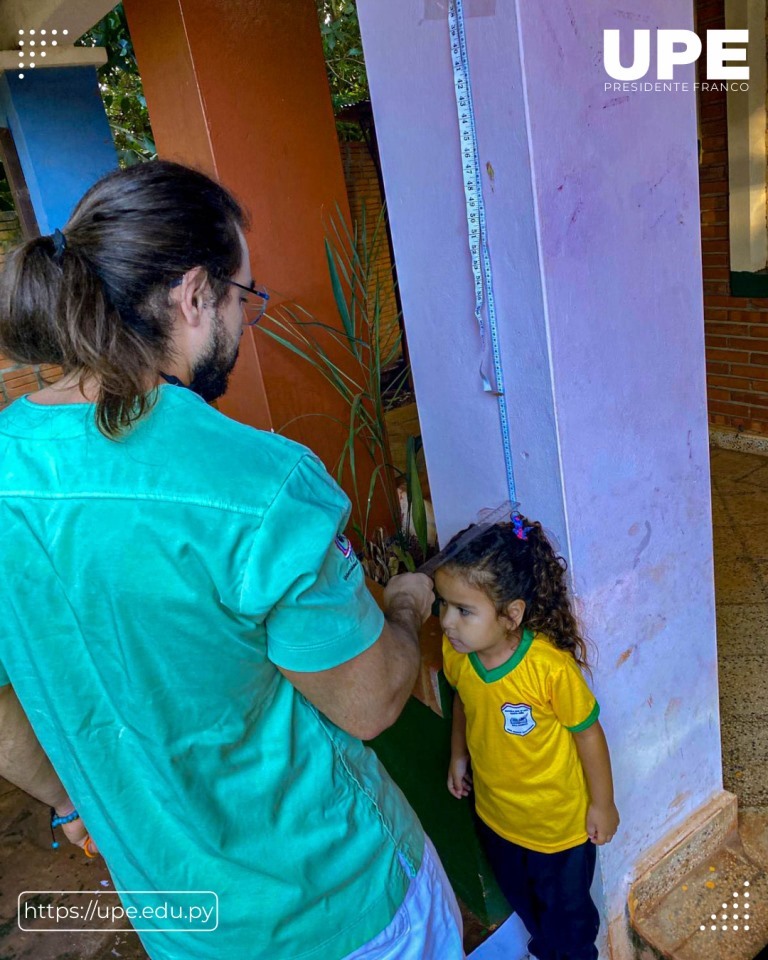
[{"x": 525, "y": 716}]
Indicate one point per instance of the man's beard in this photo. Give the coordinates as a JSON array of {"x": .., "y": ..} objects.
[{"x": 210, "y": 374}]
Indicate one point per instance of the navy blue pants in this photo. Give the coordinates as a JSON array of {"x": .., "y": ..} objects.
[{"x": 550, "y": 893}]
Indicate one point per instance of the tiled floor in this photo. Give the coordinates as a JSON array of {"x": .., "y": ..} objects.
[
  {"x": 740, "y": 521},
  {"x": 27, "y": 862}
]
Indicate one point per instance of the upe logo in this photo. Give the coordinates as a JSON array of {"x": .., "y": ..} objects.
[{"x": 675, "y": 48}]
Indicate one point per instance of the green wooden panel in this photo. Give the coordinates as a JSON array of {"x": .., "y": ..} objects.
[{"x": 416, "y": 752}]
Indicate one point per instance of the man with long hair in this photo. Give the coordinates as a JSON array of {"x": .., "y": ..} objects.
[{"x": 186, "y": 629}]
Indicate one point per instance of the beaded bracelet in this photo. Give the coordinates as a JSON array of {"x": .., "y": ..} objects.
[{"x": 58, "y": 821}]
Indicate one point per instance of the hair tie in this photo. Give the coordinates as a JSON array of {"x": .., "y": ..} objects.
[
  {"x": 59, "y": 243},
  {"x": 520, "y": 531}
]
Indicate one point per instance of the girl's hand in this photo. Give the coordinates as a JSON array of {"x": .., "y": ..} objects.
[
  {"x": 602, "y": 823},
  {"x": 460, "y": 777}
]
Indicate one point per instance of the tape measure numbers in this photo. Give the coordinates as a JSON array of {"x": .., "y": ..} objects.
[{"x": 491, "y": 371}]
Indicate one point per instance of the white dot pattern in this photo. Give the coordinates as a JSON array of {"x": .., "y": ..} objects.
[
  {"x": 735, "y": 905},
  {"x": 25, "y": 56}
]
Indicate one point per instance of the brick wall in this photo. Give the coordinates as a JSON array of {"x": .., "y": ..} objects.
[
  {"x": 363, "y": 189},
  {"x": 10, "y": 232},
  {"x": 16, "y": 379},
  {"x": 736, "y": 328}
]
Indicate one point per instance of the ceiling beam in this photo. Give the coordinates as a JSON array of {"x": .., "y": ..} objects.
[
  {"x": 76, "y": 16},
  {"x": 68, "y": 56}
]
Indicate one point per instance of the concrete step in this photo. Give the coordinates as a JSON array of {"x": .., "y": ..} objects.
[{"x": 726, "y": 890}]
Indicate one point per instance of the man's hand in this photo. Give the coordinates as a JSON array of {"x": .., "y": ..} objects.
[
  {"x": 602, "y": 823},
  {"x": 460, "y": 776},
  {"x": 366, "y": 694},
  {"x": 414, "y": 591}
]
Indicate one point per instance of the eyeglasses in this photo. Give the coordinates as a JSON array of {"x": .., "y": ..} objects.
[{"x": 254, "y": 305}]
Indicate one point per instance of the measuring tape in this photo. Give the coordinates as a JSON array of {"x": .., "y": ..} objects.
[{"x": 478, "y": 234}]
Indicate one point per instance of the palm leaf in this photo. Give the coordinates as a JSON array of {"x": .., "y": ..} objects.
[
  {"x": 338, "y": 296},
  {"x": 357, "y": 288},
  {"x": 415, "y": 496}
]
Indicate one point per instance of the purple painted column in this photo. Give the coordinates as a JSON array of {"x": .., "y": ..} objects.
[{"x": 594, "y": 229}]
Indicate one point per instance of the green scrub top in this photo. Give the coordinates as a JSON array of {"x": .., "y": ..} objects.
[{"x": 151, "y": 588}]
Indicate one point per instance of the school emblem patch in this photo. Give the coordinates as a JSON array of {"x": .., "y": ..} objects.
[{"x": 518, "y": 718}]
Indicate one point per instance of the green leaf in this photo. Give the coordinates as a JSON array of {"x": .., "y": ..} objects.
[
  {"x": 393, "y": 353},
  {"x": 340, "y": 338},
  {"x": 405, "y": 558},
  {"x": 416, "y": 507},
  {"x": 358, "y": 382},
  {"x": 328, "y": 370},
  {"x": 338, "y": 296},
  {"x": 354, "y": 407},
  {"x": 287, "y": 344},
  {"x": 358, "y": 531},
  {"x": 340, "y": 465},
  {"x": 376, "y": 473}
]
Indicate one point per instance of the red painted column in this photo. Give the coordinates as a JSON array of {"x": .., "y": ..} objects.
[{"x": 239, "y": 90}]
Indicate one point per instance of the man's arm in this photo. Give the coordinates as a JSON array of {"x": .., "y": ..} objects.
[
  {"x": 24, "y": 764},
  {"x": 22, "y": 760},
  {"x": 366, "y": 695}
]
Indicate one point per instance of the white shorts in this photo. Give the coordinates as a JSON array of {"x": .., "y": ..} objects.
[{"x": 427, "y": 926}]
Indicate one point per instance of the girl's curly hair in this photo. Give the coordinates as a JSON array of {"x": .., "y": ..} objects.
[{"x": 506, "y": 568}]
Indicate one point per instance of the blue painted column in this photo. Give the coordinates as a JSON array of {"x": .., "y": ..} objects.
[
  {"x": 593, "y": 219},
  {"x": 62, "y": 136}
]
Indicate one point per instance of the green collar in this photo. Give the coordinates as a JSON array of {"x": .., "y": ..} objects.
[{"x": 489, "y": 676}]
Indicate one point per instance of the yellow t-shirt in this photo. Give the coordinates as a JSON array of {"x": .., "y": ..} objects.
[{"x": 528, "y": 779}]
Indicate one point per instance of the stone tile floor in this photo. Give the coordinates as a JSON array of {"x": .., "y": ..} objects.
[
  {"x": 740, "y": 535},
  {"x": 740, "y": 520},
  {"x": 740, "y": 523},
  {"x": 27, "y": 862}
]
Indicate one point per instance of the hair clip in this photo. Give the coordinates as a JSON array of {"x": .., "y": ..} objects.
[
  {"x": 520, "y": 531},
  {"x": 59, "y": 243}
]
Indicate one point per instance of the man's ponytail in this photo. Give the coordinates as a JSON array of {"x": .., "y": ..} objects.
[
  {"x": 93, "y": 298},
  {"x": 97, "y": 339},
  {"x": 54, "y": 309},
  {"x": 30, "y": 287}
]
